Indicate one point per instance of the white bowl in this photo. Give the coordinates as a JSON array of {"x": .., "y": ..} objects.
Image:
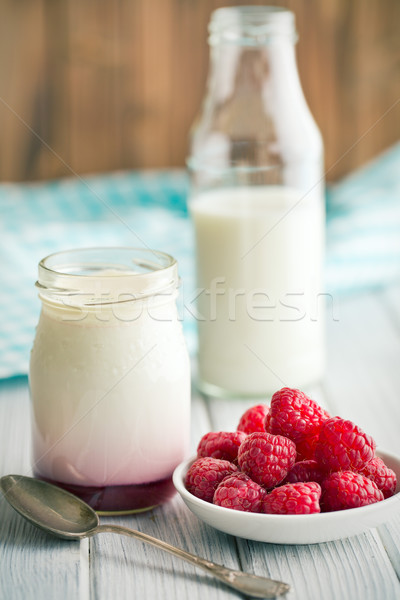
[{"x": 292, "y": 529}]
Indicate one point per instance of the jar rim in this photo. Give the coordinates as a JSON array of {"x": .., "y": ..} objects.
[
  {"x": 250, "y": 25},
  {"x": 87, "y": 272}
]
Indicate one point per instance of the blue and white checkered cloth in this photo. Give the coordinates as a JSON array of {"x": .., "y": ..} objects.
[
  {"x": 363, "y": 228},
  {"x": 149, "y": 209},
  {"x": 122, "y": 209}
]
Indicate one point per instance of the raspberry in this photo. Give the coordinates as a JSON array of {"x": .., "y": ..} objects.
[
  {"x": 293, "y": 499},
  {"x": 343, "y": 446},
  {"x": 379, "y": 473},
  {"x": 204, "y": 476},
  {"x": 295, "y": 415},
  {"x": 253, "y": 419},
  {"x": 239, "y": 492},
  {"x": 305, "y": 470},
  {"x": 222, "y": 444},
  {"x": 266, "y": 458},
  {"x": 267, "y": 422},
  {"x": 346, "y": 489},
  {"x": 306, "y": 448}
]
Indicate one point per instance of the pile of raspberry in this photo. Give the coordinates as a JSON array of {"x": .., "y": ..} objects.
[{"x": 291, "y": 457}]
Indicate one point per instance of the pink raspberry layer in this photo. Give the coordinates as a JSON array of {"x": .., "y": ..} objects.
[{"x": 121, "y": 498}]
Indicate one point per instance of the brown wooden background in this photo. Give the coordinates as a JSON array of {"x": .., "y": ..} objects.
[{"x": 111, "y": 84}]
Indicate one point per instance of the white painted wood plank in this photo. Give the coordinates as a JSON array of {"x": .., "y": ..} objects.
[
  {"x": 33, "y": 564},
  {"x": 390, "y": 535},
  {"x": 363, "y": 378},
  {"x": 352, "y": 569},
  {"x": 14, "y": 427},
  {"x": 391, "y": 300},
  {"x": 143, "y": 571},
  {"x": 226, "y": 412},
  {"x": 200, "y": 420}
]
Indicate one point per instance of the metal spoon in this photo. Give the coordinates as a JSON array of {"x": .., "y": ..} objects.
[{"x": 64, "y": 515}]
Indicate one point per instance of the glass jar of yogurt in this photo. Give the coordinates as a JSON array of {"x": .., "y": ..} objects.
[{"x": 110, "y": 377}]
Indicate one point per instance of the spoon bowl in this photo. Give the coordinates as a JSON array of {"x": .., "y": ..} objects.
[
  {"x": 61, "y": 513},
  {"x": 50, "y": 507}
]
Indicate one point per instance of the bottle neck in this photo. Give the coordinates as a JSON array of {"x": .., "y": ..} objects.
[
  {"x": 254, "y": 112},
  {"x": 246, "y": 43},
  {"x": 249, "y": 70},
  {"x": 253, "y": 96}
]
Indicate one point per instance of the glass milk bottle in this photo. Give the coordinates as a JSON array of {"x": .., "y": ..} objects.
[
  {"x": 110, "y": 377},
  {"x": 257, "y": 204}
]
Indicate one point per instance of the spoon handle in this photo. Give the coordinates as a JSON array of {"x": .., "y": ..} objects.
[{"x": 252, "y": 585}]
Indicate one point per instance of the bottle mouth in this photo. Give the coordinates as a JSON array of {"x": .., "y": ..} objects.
[
  {"x": 250, "y": 25},
  {"x": 100, "y": 276}
]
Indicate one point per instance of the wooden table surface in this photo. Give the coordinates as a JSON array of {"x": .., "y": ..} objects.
[{"x": 362, "y": 384}]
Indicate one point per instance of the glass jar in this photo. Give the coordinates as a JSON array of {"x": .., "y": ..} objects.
[
  {"x": 110, "y": 377},
  {"x": 257, "y": 203}
]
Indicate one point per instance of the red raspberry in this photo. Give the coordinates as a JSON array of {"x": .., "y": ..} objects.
[
  {"x": 346, "y": 489},
  {"x": 306, "y": 448},
  {"x": 379, "y": 473},
  {"x": 267, "y": 422},
  {"x": 221, "y": 444},
  {"x": 204, "y": 476},
  {"x": 295, "y": 415},
  {"x": 305, "y": 470},
  {"x": 343, "y": 446},
  {"x": 253, "y": 419},
  {"x": 293, "y": 499},
  {"x": 266, "y": 458},
  {"x": 239, "y": 492}
]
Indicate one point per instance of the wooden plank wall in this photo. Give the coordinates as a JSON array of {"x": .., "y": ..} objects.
[{"x": 112, "y": 84}]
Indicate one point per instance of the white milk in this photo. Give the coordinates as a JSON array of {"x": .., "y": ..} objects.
[
  {"x": 259, "y": 260},
  {"x": 110, "y": 394}
]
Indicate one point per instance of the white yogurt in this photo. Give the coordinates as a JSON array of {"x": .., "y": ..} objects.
[
  {"x": 110, "y": 387},
  {"x": 259, "y": 260}
]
